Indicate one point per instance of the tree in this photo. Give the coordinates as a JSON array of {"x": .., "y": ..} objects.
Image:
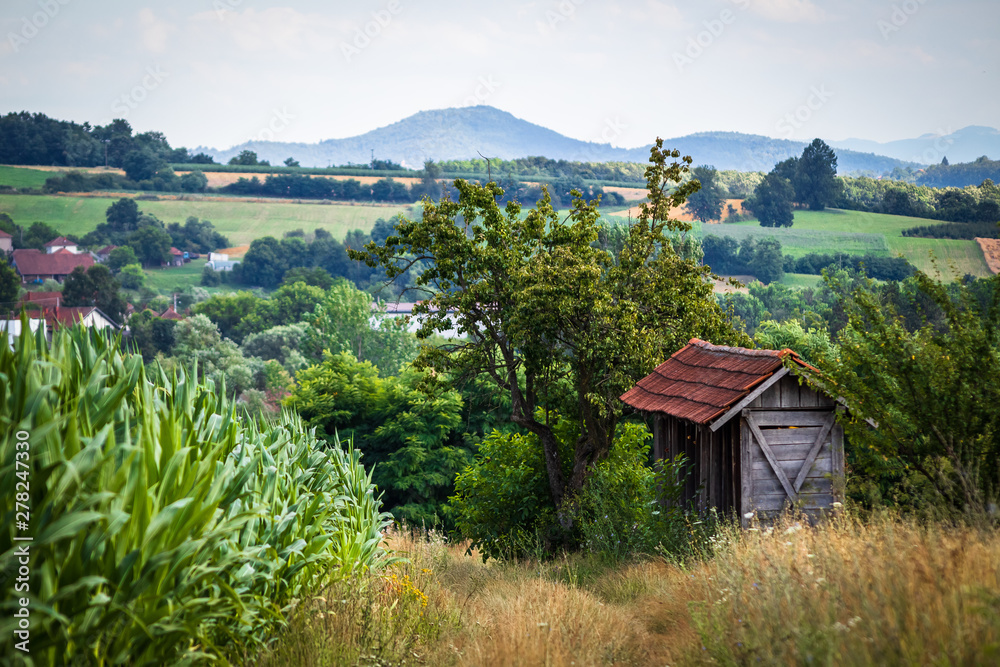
[
  {"x": 246, "y": 157},
  {"x": 95, "y": 286},
  {"x": 933, "y": 391},
  {"x": 151, "y": 245},
  {"x": 226, "y": 311},
  {"x": 10, "y": 285},
  {"x": 292, "y": 162},
  {"x": 141, "y": 165},
  {"x": 772, "y": 201},
  {"x": 123, "y": 215},
  {"x": 197, "y": 340},
  {"x": 816, "y": 183},
  {"x": 121, "y": 256},
  {"x": 264, "y": 263},
  {"x": 194, "y": 181},
  {"x": 132, "y": 276},
  {"x": 554, "y": 321},
  {"x": 706, "y": 202}
]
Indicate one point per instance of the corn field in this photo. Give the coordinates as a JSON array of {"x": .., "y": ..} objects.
[{"x": 165, "y": 526}]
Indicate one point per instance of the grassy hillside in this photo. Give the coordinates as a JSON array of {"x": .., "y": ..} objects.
[
  {"x": 859, "y": 232},
  {"x": 21, "y": 177},
  {"x": 241, "y": 221}
]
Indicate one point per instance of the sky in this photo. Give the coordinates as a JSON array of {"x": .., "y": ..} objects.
[{"x": 220, "y": 72}]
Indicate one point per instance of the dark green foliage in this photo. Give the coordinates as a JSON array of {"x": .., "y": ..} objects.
[
  {"x": 194, "y": 181},
  {"x": 35, "y": 236},
  {"x": 123, "y": 215},
  {"x": 772, "y": 201},
  {"x": 10, "y": 285},
  {"x": 760, "y": 258},
  {"x": 151, "y": 245},
  {"x": 95, "y": 286},
  {"x": 815, "y": 181},
  {"x": 245, "y": 157},
  {"x": 196, "y": 235},
  {"x": 121, "y": 256},
  {"x": 961, "y": 174},
  {"x": 874, "y": 266},
  {"x": 316, "y": 276},
  {"x": 706, "y": 203},
  {"x": 407, "y": 426},
  {"x": 141, "y": 165},
  {"x": 933, "y": 390}
]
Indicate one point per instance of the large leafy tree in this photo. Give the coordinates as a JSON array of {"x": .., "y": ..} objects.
[
  {"x": 706, "y": 202},
  {"x": 816, "y": 183},
  {"x": 933, "y": 391},
  {"x": 551, "y": 318},
  {"x": 772, "y": 201},
  {"x": 10, "y": 285}
]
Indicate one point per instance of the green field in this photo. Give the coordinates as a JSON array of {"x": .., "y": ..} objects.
[
  {"x": 20, "y": 177},
  {"x": 176, "y": 278},
  {"x": 858, "y": 232},
  {"x": 241, "y": 221}
]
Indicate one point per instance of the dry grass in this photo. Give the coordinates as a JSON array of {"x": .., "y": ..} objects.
[
  {"x": 991, "y": 250},
  {"x": 845, "y": 593}
]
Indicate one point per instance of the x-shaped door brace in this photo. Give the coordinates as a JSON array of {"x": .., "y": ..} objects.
[{"x": 791, "y": 489}]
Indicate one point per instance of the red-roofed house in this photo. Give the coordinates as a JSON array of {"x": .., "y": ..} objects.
[
  {"x": 176, "y": 257},
  {"x": 61, "y": 243},
  {"x": 35, "y": 266},
  {"x": 757, "y": 436},
  {"x": 105, "y": 252},
  {"x": 6, "y": 242},
  {"x": 171, "y": 314},
  {"x": 89, "y": 316},
  {"x": 42, "y": 299}
]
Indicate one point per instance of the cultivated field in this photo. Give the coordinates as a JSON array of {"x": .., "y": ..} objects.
[
  {"x": 241, "y": 221},
  {"x": 20, "y": 177},
  {"x": 218, "y": 179},
  {"x": 991, "y": 249}
]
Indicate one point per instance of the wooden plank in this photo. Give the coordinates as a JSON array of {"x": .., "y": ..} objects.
[
  {"x": 837, "y": 460},
  {"x": 746, "y": 473},
  {"x": 808, "y": 398},
  {"x": 821, "y": 441},
  {"x": 808, "y": 501},
  {"x": 821, "y": 466},
  {"x": 794, "y": 435},
  {"x": 772, "y": 397},
  {"x": 810, "y": 485},
  {"x": 789, "y": 391},
  {"x": 749, "y": 398},
  {"x": 762, "y": 443},
  {"x": 797, "y": 452},
  {"x": 764, "y": 418}
]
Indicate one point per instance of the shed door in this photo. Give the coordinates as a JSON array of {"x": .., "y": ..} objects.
[{"x": 792, "y": 456}]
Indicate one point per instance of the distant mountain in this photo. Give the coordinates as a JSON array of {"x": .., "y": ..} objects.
[
  {"x": 965, "y": 145},
  {"x": 468, "y": 132}
]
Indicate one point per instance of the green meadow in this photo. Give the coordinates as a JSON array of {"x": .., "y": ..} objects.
[{"x": 241, "y": 221}]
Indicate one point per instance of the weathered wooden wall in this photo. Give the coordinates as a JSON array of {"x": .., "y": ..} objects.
[{"x": 728, "y": 470}]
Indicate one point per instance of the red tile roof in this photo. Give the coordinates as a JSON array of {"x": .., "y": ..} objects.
[
  {"x": 5, "y": 235},
  {"x": 66, "y": 316},
  {"x": 59, "y": 240},
  {"x": 33, "y": 262},
  {"x": 702, "y": 381},
  {"x": 171, "y": 314},
  {"x": 42, "y": 298},
  {"x": 175, "y": 251}
]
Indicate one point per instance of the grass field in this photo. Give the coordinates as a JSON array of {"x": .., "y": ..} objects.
[
  {"x": 175, "y": 278},
  {"x": 21, "y": 177},
  {"x": 241, "y": 221}
]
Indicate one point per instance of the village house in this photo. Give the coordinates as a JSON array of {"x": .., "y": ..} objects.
[
  {"x": 61, "y": 243},
  {"x": 6, "y": 242},
  {"x": 756, "y": 435},
  {"x": 104, "y": 253},
  {"x": 60, "y": 316},
  {"x": 35, "y": 266}
]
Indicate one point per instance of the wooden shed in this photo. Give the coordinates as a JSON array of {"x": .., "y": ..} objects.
[{"x": 756, "y": 435}]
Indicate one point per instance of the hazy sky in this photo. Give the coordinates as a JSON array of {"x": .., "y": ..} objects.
[{"x": 219, "y": 72}]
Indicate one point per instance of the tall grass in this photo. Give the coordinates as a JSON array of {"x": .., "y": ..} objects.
[
  {"x": 165, "y": 527},
  {"x": 882, "y": 592}
]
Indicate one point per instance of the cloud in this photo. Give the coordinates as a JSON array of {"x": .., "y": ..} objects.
[
  {"x": 154, "y": 31},
  {"x": 789, "y": 11}
]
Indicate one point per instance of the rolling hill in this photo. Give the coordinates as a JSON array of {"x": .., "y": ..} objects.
[{"x": 465, "y": 133}]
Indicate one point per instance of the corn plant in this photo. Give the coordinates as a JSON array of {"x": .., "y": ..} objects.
[{"x": 166, "y": 527}]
